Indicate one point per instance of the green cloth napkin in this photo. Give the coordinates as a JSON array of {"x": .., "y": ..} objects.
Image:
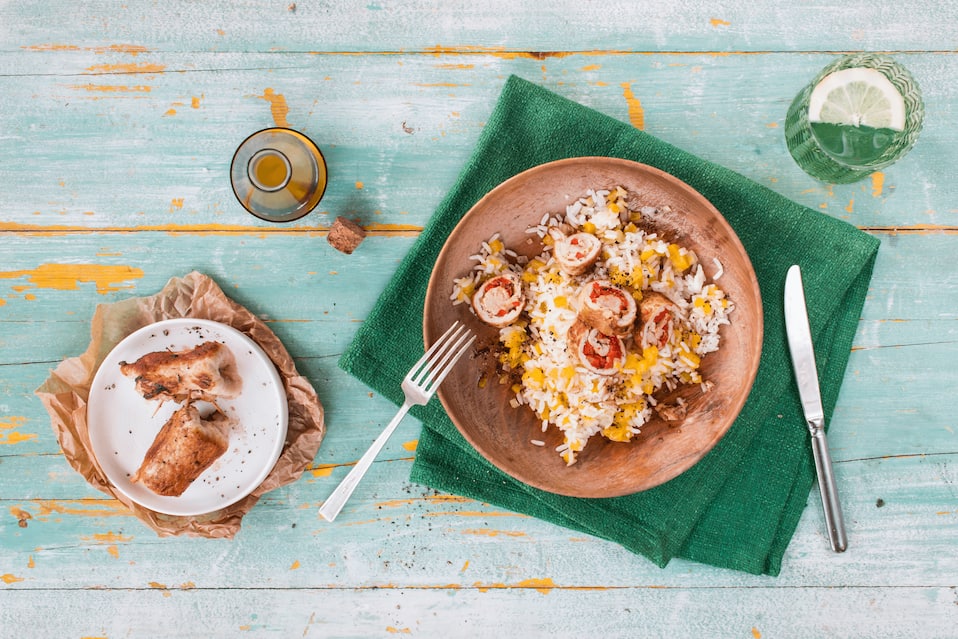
[{"x": 739, "y": 506}]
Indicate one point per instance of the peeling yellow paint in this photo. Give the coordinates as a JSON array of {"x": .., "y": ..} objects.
[
  {"x": 411, "y": 445},
  {"x": 106, "y": 508},
  {"x": 295, "y": 565},
  {"x": 772, "y": 125},
  {"x": 434, "y": 499},
  {"x": 176, "y": 204},
  {"x": 544, "y": 586},
  {"x": 16, "y": 438},
  {"x": 170, "y": 112},
  {"x": 112, "y": 88},
  {"x": 382, "y": 230},
  {"x": 21, "y": 515},
  {"x": 67, "y": 277},
  {"x": 636, "y": 113},
  {"x": 393, "y": 630},
  {"x": 31, "y": 563},
  {"x": 277, "y": 106},
  {"x": 51, "y": 47},
  {"x": 390, "y": 230},
  {"x": 360, "y": 185},
  {"x": 464, "y": 566},
  {"x": 756, "y": 633},
  {"x": 10, "y": 579},
  {"x": 126, "y": 68},
  {"x": 716, "y": 22},
  {"x": 489, "y": 532},
  {"x": 114, "y": 551},
  {"x": 195, "y": 102},
  {"x": 851, "y": 204},
  {"x": 878, "y": 183},
  {"x": 107, "y": 538},
  {"x": 323, "y": 470},
  {"x": 440, "y": 84},
  {"x": 592, "y": 67},
  {"x": 455, "y": 66},
  {"x": 8, "y": 434},
  {"x": 131, "y": 49}
]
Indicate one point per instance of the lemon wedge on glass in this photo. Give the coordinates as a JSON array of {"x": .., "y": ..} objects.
[{"x": 857, "y": 97}]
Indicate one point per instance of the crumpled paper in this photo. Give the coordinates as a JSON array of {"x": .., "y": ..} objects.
[{"x": 65, "y": 394}]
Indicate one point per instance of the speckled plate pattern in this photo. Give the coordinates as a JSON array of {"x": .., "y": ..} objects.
[{"x": 123, "y": 425}]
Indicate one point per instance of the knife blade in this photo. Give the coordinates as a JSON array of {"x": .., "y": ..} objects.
[{"x": 806, "y": 376}]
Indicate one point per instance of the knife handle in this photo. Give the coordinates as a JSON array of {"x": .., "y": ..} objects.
[{"x": 834, "y": 522}]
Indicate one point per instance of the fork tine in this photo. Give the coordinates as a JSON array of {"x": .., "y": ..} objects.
[
  {"x": 442, "y": 356},
  {"x": 440, "y": 359},
  {"x": 433, "y": 381},
  {"x": 436, "y": 351},
  {"x": 436, "y": 346}
]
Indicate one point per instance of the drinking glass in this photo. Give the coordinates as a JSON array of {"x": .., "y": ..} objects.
[
  {"x": 278, "y": 174},
  {"x": 837, "y": 128}
]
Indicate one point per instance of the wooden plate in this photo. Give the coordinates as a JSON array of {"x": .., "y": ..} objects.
[{"x": 662, "y": 451}]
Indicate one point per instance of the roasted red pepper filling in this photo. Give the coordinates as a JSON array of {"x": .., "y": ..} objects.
[
  {"x": 608, "y": 360},
  {"x": 661, "y": 322},
  {"x": 507, "y": 285}
]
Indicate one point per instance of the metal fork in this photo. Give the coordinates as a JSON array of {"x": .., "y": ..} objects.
[{"x": 419, "y": 385}]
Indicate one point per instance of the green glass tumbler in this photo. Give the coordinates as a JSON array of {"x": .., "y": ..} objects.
[{"x": 860, "y": 114}]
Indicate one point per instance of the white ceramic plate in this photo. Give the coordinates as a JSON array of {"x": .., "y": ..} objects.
[{"x": 123, "y": 424}]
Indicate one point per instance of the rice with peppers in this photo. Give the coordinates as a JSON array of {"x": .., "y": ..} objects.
[{"x": 534, "y": 352}]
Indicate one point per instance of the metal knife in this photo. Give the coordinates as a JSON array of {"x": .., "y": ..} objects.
[{"x": 806, "y": 375}]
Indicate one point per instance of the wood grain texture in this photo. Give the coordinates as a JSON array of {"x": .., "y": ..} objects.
[{"x": 117, "y": 125}]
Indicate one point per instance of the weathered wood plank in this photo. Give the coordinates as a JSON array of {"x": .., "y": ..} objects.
[
  {"x": 400, "y": 535},
  {"x": 532, "y": 609},
  {"x": 150, "y": 148},
  {"x": 503, "y": 25}
]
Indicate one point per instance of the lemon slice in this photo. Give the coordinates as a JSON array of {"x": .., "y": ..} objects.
[{"x": 857, "y": 97}]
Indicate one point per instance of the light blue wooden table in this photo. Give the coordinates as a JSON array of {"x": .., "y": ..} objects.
[{"x": 117, "y": 125}]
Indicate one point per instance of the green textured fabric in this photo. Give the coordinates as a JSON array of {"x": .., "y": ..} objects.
[{"x": 739, "y": 506}]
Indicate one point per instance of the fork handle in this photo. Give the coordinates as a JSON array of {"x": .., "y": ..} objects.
[{"x": 335, "y": 502}]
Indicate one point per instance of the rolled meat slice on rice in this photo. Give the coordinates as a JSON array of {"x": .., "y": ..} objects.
[
  {"x": 499, "y": 301},
  {"x": 607, "y": 308},
  {"x": 575, "y": 253},
  {"x": 657, "y": 315},
  {"x": 599, "y": 353}
]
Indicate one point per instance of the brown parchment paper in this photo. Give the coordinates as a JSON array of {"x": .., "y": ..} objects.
[{"x": 66, "y": 392}]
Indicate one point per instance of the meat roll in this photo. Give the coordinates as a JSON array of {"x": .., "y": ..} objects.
[
  {"x": 657, "y": 314},
  {"x": 186, "y": 445},
  {"x": 606, "y": 307},
  {"x": 599, "y": 353},
  {"x": 575, "y": 253},
  {"x": 207, "y": 372},
  {"x": 499, "y": 301}
]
